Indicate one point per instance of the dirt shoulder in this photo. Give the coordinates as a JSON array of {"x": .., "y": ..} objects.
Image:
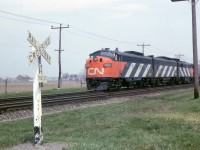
[{"x": 44, "y": 146}]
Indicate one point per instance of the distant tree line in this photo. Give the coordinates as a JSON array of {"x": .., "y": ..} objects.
[{"x": 73, "y": 77}]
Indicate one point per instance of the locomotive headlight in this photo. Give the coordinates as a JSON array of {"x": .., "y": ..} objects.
[
  {"x": 107, "y": 65},
  {"x": 95, "y": 59}
]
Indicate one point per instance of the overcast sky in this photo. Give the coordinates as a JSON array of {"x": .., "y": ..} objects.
[{"x": 93, "y": 25}]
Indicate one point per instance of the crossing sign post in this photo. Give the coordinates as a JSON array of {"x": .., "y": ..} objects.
[{"x": 38, "y": 50}]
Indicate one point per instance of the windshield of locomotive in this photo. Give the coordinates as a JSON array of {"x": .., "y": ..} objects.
[{"x": 107, "y": 54}]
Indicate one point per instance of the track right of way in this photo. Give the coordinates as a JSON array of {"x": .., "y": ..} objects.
[{"x": 61, "y": 102}]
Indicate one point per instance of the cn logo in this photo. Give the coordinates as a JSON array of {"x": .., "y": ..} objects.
[{"x": 94, "y": 71}]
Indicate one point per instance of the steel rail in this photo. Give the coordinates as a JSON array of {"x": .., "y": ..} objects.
[{"x": 18, "y": 103}]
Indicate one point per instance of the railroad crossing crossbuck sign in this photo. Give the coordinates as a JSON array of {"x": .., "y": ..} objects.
[{"x": 38, "y": 50}]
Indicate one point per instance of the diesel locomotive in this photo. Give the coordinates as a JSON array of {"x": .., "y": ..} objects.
[{"x": 107, "y": 69}]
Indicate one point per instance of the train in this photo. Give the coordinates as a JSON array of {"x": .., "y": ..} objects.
[{"x": 111, "y": 69}]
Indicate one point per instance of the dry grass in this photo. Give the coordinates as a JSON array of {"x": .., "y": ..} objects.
[
  {"x": 188, "y": 118},
  {"x": 17, "y": 87}
]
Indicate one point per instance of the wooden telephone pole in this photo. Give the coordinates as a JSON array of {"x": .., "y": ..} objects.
[
  {"x": 194, "y": 41},
  {"x": 143, "y": 45},
  {"x": 59, "y": 53}
]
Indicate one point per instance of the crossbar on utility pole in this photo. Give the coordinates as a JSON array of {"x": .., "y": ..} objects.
[
  {"x": 179, "y": 56},
  {"x": 143, "y": 45},
  {"x": 59, "y": 52}
]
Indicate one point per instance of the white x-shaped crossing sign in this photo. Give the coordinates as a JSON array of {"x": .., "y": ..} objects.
[{"x": 39, "y": 49}]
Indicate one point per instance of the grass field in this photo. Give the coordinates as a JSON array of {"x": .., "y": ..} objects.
[
  {"x": 18, "y": 87},
  {"x": 26, "y": 88},
  {"x": 170, "y": 121}
]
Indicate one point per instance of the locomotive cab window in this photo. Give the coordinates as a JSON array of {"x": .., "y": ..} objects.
[
  {"x": 117, "y": 57},
  {"x": 107, "y": 54}
]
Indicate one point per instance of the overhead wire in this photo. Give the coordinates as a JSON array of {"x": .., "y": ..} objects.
[
  {"x": 22, "y": 16},
  {"x": 92, "y": 35},
  {"x": 100, "y": 36},
  {"x": 149, "y": 49},
  {"x": 23, "y": 21},
  {"x": 156, "y": 49},
  {"x": 88, "y": 37},
  {"x": 117, "y": 41},
  {"x": 73, "y": 27}
]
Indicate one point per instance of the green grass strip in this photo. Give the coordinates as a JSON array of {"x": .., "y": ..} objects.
[{"x": 162, "y": 122}]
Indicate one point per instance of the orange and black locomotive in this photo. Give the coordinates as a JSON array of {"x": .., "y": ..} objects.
[{"x": 107, "y": 69}]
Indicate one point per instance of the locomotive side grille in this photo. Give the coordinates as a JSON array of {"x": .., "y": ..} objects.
[
  {"x": 141, "y": 70},
  {"x": 181, "y": 72},
  {"x": 173, "y": 73},
  {"x": 184, "y": 72},
  {"x": 187, "y": 69},
  {"x": 131, "y": 67},
  {"x": 138, "y": 70},
  {"x": 164, "y": 71},
  {"x": 146, "y": 70},
  {"x": 159, "y": 70},
  {"x": 169, "y": 71}
]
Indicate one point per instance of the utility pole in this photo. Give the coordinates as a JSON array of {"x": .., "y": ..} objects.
[
  {"x": 6, "y": 85},
  {"x": 59, "y": 65},
  {"x": 59, "y": 52},
  {"x": 179, "y": 56},
  {"x": 194, "y": 41},
  {"x": 195, "y": 52},
  {"x": 143, "y": 45}
]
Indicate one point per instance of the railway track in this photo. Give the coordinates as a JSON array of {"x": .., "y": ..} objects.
[{"x": 19, "y": 103}]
